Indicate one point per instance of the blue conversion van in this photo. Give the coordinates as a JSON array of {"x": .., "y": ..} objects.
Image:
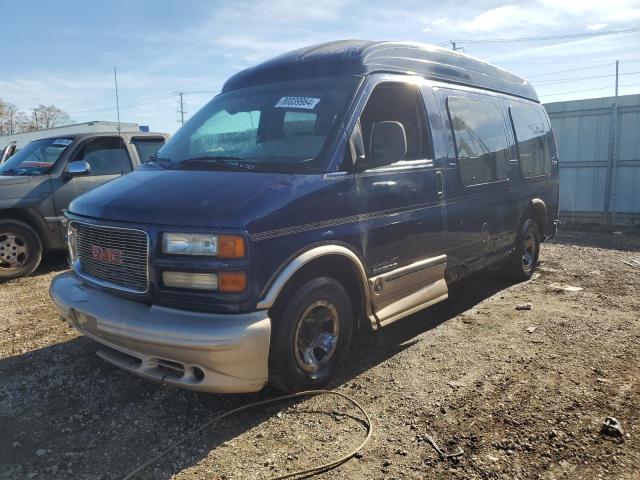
[{"x": 335, "y": 186}]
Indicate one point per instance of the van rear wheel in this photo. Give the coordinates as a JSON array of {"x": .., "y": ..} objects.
[
  {"x": 523, "y": 261},
  {"x": 20, "y": 249},
  {"x": 311, "y": 335}
]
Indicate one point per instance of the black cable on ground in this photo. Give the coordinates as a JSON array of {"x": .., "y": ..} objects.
[{"x": 308, "y": 471}]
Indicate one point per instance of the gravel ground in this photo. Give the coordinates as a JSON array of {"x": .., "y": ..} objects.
[{"x": 522, "y": 392}]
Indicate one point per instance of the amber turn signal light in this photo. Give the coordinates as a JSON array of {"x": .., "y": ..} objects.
[
  {"x": 232, "y": 282},
  {"x": 231, "y": 246}
]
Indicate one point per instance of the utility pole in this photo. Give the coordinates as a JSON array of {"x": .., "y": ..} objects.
[
  {"x": 612, "y": 204},
  {"x": 617, "y": 70},
  {"x": 115, "y": 80},
  {"x": 181, "y": 107},
  {"x": 610, "y": 188},
  {"x": 35, "y": 115}
]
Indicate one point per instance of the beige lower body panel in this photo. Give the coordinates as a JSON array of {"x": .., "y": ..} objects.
[
  {"x": 406, "y": 290},
  {"x": 221, "y": 353}
]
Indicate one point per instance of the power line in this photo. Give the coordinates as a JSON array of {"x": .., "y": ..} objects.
[
  {"x": 590, "y": 90},
  {"x": 550, "y": 37},
  {"x": 577, "y": 79},
  {"x": 571, "y": 70},
  {"x": 160, "y": 99},
  {"x": 199, "y": 92}
]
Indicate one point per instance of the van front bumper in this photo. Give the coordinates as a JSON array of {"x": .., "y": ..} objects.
[{"x": 201, "y": 351}]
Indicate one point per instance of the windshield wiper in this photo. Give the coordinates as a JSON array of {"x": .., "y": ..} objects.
[
  {"x": 279, "y": 167},
  {"x": 225, "y": 161}
]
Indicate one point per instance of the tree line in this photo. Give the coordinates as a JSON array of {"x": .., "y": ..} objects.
[{"x": 13, "y": 120}]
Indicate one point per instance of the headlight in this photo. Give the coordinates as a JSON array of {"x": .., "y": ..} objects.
[
  {"x": 223, "y": 246},
  {"x": 72, "y": 243},
  {"x": 190, "y": 244}
]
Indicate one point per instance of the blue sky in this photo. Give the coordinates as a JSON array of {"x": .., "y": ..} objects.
[{"x": 63, "y": 52}]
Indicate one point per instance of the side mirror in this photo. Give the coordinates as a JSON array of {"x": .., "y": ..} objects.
[
  {"x": 78, "y": 169},
  {"x": 388, "y": 143}
]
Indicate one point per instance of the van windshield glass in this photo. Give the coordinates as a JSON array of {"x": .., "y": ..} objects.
[
  {"x": 37, "y": 158},
  {"x": 284, "y": 127}
]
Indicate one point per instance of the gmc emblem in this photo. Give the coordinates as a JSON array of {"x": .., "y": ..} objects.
[{"x": 106, "y": 255}]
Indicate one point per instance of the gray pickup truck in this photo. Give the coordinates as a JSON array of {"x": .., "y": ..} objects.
[{"x": 39, "y": 181}]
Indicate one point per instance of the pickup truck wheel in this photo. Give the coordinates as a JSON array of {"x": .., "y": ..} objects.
[
  {"x": 311, "y": 335},
  {"x": 20, "y": 249},
  {"x": 524, "y": 259}
]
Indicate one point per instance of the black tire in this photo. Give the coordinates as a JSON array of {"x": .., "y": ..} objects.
[
  {"x": 312, "y": 301},
  {"x": 521, "y": 264},
  {"x": 20, "y": 249}
]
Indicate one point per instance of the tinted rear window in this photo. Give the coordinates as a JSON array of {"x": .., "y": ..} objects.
[
  {"x": 481, "y": 145},
  {"x": 530, "y": 131},
  {"x": 147, "y": 147}
]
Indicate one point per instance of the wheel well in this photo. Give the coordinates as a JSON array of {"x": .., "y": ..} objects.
[
  {"x": 537, "y": 211},
  {"x": 335, "y": 266},
  {"x": 26, "y": 217}
]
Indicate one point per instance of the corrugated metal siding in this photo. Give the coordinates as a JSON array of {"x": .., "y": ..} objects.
[
  {"x": 628, "y": 189},
  {"x": 584, "y": 148},
  {"x": 629, "y": 139},
  {"x": 588, "y": 169},
  {"x": 582, "y": 189}
]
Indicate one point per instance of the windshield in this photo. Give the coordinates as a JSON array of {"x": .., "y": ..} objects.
[
  {"x": 284, "y": 127},
  {"x": 36, "y": 158}
]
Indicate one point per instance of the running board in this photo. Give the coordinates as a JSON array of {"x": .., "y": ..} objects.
[{"x": 408, "y": 289}]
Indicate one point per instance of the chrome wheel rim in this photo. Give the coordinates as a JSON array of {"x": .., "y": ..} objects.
[
  {"x": 316, "y": 336},
  {"x": 13, "y": 250},
  {"x": 528, "y": 253}
]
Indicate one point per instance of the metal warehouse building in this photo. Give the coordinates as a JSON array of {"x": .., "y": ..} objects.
[
  {"x": 599, "y": 158},
  {"x": 22, "y": 139}
]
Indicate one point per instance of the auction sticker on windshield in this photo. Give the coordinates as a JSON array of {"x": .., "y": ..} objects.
[
  {"x": 308, "y": 103},
  {"x": 62, "y": 142}
]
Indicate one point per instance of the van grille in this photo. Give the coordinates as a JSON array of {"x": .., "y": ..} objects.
[{"x": 117, "y": 256}]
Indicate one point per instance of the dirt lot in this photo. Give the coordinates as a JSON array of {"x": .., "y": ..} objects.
[{"x": 523, "y": 393}]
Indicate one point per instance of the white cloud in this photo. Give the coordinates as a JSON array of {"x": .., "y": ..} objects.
[
  {"x": 229, "y": 36},
  {"x": 512, "y": 19},
  {"x": 507, "y": 17},
  {"x": 611, "y": 11}
]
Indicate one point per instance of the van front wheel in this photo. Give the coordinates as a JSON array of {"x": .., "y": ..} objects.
[
  {"x": 524, "y": 259},
  {"x": 311, "y": 335}
]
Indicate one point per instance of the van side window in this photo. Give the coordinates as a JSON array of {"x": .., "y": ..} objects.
[
  {"x": 481, "y": 144},
  {"x": 401, "y": 103},
  {"x": 105, "y": 156},
  {"x": 530, "y": 132}
]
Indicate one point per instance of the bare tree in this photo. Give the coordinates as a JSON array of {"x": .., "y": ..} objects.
[
  {"x": 12, "y": 120},
  {"x": 48, "y": 116}
]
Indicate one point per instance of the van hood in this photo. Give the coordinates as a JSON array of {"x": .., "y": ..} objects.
[{"x": 217, "y": 199}]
